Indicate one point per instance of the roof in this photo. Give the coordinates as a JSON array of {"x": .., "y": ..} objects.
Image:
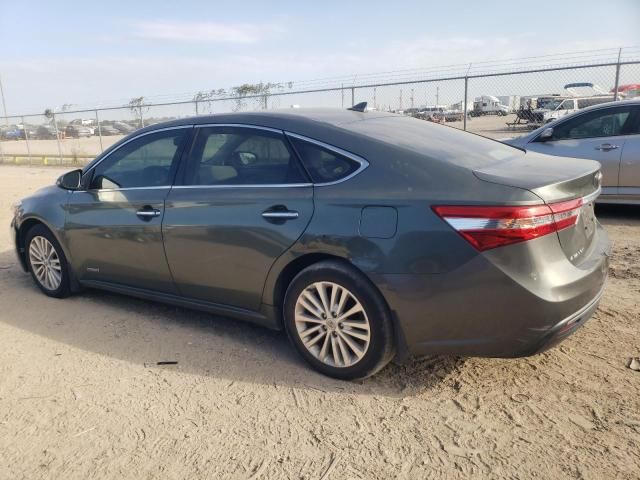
[{"x": 281, "y": 119}]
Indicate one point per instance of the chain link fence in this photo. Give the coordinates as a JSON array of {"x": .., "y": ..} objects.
[{"x": 495, "y": 99}]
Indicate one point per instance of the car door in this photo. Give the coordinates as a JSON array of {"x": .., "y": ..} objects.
[
  {"x": 243, "y": 201},
  {"x": 595, "y": 135},
  {"x": 114, "y": 227},
  {"x": 630, "y": 160}
]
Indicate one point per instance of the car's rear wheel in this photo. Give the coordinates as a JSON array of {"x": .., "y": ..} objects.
[
  {"x": 47, "y": 263},
  {"x": 338, "y": 321}
]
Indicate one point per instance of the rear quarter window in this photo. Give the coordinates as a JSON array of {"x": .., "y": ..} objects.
[{"x": 322, "y": 164}]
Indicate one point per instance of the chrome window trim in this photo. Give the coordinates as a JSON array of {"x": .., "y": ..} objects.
[
  {"x": 159, "y": 187},
  {"x": 261, "y": 185},
  {"x": 240, "y": 125},
  {"x": 363, "y": 163}
]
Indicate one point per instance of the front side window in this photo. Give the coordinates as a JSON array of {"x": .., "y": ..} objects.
[
  {"x": 148, "y": 161},
  {"x": 241, "y": 156},
  {"x": 599, "y": 123},
  {"x": 323, "y": 165}
]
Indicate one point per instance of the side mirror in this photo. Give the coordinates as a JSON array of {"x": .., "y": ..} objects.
[
  {"x": 70, "y": 180},
  {"x": 547, "y": 134}
]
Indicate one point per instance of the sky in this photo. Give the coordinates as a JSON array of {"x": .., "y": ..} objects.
[{"x": 88, "y": 53}]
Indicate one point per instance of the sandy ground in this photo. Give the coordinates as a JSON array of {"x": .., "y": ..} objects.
[
  {"x": 490, "y": 126},
  {"x": 77, "y": 400}
]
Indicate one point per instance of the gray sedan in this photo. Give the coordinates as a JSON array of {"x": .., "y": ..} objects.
[
  {"x": 608, "y": 133},
  {"x": 366, "y": 236}
]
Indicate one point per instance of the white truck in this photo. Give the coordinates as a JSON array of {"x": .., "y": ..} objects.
[
  {"x": 488, "y": 105},
  {"x": 573, "y": 101}
]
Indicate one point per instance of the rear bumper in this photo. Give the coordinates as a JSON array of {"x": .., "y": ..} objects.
[
  {"x": 511, "y": 302},
  {"x": 566, "y": 327}
]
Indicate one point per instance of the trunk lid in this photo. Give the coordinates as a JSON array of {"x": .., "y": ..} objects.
[{"x": 554, "y": 180}]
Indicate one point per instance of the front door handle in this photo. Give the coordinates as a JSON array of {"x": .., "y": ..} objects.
[
  {"x": 605, "y": 147},
  {"x": 284, "y": 215},
  {"x": 147, "y": 213}
]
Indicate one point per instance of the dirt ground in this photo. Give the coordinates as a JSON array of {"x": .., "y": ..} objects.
[{"x": 80, "y": 399}]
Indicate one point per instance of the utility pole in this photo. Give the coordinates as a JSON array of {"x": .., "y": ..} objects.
[
  {"x": 375, "y": 105},
  {"x": 4, "y": 105},
  {"x": 617, "y": 84},
  {"x": 412, "y": 98},
  {"x": 437, "y": 96},
  {"x": 400, "y": 107}
]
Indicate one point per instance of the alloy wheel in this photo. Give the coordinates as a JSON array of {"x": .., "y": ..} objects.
[
  {"x": 332, "y": 324},
  {"x": 45, "y": 263}
]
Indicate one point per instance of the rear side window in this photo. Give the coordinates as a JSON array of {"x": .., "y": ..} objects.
[
  {"x": 241, "y": 156},
  {"x": 323, "y": 165}
]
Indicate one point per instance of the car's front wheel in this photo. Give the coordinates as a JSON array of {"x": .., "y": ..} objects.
[
  {"x": 47, "y": 263},
  {"x": 338, "y": 321}
]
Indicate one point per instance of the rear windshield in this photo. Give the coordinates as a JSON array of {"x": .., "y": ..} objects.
[{"x": 436, "y": 141}]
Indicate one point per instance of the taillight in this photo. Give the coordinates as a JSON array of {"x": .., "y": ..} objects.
[{"x": 487, "y": 227}]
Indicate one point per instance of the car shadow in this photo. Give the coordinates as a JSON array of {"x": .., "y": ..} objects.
[
  {"x": 618, "y": 214},
  {"x": 145, "y": 333}
]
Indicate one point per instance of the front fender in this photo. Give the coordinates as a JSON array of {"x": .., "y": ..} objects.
[{"x": 48, "y": 207}]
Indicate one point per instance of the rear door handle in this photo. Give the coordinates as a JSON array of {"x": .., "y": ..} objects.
[
  {"x": 605, "y": 147},
  {"x": 279, "y": 212}
]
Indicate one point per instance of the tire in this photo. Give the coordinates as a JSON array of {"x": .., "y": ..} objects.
[
  {"x": 375, "y": 352},
  {"x": 36, "y": 242}
]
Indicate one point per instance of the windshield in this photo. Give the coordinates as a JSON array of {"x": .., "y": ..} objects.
[{"x": 552, "y": 104}]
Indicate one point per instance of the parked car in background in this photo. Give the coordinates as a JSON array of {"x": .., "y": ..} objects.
[
  {"x": 27, "y": 131},
  {"x": 11, "y": 132},
  {"x": 123, "y": 128},
  {"x": 77, "y": 131},
  {"x": 608, "y": 133},
  {"x": 366, "y": 236},
  {"x": 106, "y": 130},
  {"x": 45, "y": 132}
]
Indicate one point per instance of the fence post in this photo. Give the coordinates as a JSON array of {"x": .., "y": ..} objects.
[
  {"x": 4, "y": 105},
  {"x": 466, "y": 94},
  {"x": 464, "y": 108},
  {"x": 99, "y": 130},
  {"x": 55, "y": 127},
  {"x": 353, "y": 96},
  {"x": 615, "y": 88},
  {"x": 26, "y": 137}
]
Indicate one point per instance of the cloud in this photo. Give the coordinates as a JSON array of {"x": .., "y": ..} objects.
[{"x": 214, "y": 32}]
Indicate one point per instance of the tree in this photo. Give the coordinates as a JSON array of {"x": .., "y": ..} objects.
[{"x": 138, "y": 106}]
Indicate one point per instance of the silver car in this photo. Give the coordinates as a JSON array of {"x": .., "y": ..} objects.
[{"x": 608, "y": 133}]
